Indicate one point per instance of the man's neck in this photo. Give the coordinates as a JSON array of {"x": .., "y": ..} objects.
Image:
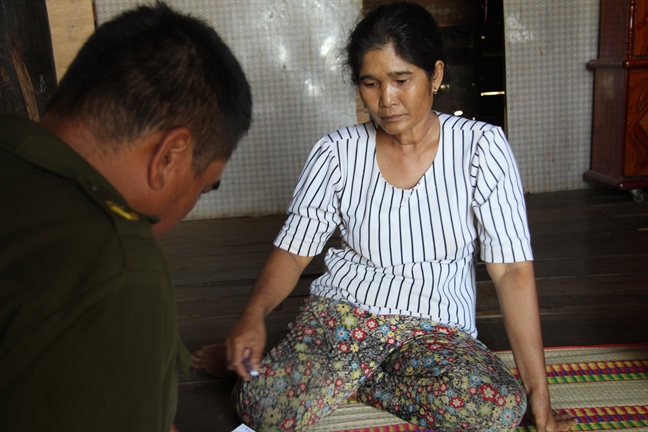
[{"x": 117, "y": 167}]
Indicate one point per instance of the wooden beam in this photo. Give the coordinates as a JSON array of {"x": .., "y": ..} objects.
[
  {"x": 71, "y": 24},
  {"x": 27, "y": 75}
]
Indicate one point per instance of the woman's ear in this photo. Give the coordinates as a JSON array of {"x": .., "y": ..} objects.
[
  {"x": 437, "y": 79},
  {"x": 172, "y": 155}
]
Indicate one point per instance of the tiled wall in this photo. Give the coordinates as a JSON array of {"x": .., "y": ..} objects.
[
  {"x": 290, "y": 52},
  {"x": 549, "y": 90}
]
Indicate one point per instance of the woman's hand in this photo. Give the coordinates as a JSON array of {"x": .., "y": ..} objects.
[
  {"x": 516, "y": 290},
  {"x": 276, "y": 281},
  {"x": 246, "y": 342},
  {"x": 545, "y": 418}
]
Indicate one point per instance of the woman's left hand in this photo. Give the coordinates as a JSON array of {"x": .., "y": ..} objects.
[
  {"x": 546, "y": 419},
  {"x": 516, "y": 290}
]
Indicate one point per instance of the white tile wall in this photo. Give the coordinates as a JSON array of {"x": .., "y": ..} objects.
[
  {"x": 549, "y": 90},
  {"x": 290, "y": 52}
]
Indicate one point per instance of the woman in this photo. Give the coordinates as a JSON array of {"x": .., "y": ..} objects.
[{"x": 416, "y": 196}]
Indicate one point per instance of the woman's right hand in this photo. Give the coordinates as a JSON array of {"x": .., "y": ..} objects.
[
  {"x": 276, "y": 281},
  {"x": 246, "y": 341}
]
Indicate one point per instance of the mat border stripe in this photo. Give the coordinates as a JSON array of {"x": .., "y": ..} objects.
[
  {"x": 621, "y": 370},
  {"x": 589, "y": 419}
]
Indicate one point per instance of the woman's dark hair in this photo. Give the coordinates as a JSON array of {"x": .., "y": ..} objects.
[
  {"x": 408, "y": 26},
  {"x": 153, "y": 69}
]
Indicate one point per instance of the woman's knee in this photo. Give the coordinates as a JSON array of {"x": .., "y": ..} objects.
[{"x": 483, "y": 408}]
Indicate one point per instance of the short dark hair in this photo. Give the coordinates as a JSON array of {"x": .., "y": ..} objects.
[
  {"x": 153, "y": 69},
  {"x": 406, "y": 25}
]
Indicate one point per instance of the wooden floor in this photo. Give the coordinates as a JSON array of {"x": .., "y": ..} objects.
[{"x": 591, "y": 263}]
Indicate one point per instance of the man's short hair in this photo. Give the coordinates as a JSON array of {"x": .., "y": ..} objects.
[{"x": 153, "y": 69}]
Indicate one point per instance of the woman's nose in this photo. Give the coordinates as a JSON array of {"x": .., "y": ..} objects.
[{"x": 387, "y": 97}]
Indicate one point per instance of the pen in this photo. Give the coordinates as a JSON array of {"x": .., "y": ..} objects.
[{"x": 251, "y": 370}]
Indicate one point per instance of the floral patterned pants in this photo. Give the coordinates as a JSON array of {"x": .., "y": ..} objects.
[{"x": 428, "y": 374}]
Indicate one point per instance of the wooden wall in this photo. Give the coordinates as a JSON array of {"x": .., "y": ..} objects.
[
  {"x": 38, "y": 40},
  {"x": 71, "y": 23},
  {"x": 27, "y": 76}
]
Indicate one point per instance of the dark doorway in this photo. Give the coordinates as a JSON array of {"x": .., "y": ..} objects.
[{"x": 474, "y": 83}]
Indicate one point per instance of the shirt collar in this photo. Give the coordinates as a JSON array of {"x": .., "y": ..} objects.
[{"x": 40, "y": 147}]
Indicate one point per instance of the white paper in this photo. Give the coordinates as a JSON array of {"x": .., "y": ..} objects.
[{"x": 242, "y": 428}]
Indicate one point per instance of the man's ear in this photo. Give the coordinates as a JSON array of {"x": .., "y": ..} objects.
[{"x": 173, "y": 153}]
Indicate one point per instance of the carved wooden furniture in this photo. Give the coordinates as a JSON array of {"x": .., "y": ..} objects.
[{"x": 620, "y": 117}]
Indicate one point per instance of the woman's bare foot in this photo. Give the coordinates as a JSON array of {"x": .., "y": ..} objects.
[{"x": 212, "y": 359}]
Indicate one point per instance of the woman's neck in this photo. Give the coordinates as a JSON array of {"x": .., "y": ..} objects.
[
  {"x": 419, "y": 139},
  {"x": 405, "y": 158}
]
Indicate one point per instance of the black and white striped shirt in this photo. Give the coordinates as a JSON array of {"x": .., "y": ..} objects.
[{"x": 410, "y": 251}]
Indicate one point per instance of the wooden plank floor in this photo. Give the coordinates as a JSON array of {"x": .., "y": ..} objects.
[{"x": 591, "y": 263}]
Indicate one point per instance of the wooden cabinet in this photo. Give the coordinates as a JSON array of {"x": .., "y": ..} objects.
[{"x": 620, "y": 115}]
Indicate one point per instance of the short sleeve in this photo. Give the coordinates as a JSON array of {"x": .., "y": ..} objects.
[
  {"x": 313, "y": 213},
  {"x": 498, "y": 201}
]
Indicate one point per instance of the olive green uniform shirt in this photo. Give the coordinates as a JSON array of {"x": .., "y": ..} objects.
[{"x": 88, "y": 337}]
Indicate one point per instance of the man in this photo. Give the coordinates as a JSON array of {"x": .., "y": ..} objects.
[{"x": 143, "y": 122}]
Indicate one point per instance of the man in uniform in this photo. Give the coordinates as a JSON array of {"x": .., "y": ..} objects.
[{"x": 143, "y": 122}]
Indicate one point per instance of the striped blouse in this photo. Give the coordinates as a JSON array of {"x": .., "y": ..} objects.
[{"x": 410, "y": 251}]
